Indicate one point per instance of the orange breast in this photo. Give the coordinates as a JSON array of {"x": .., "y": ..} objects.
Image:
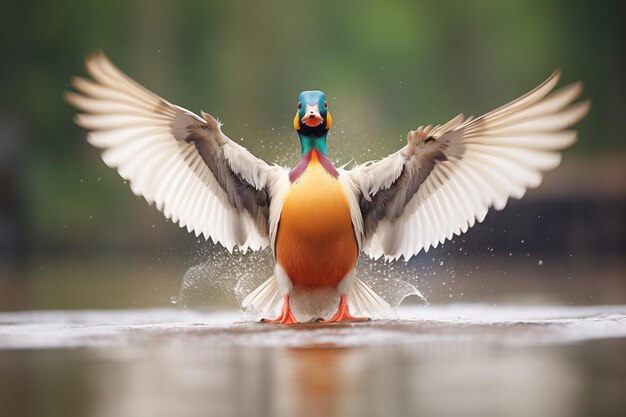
[{"x": 315, "y": 243}]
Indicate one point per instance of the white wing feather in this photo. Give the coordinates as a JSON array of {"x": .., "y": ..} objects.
[
  {"x": 485, "y": 161},
  {"x": 143, "y": 137}
]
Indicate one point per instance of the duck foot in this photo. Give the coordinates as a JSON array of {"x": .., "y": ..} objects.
[
  {"x": 285, "y": 317},
  {"x": 343, "y": 313}
]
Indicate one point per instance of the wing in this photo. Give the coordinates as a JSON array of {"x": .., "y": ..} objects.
[
  {"x": 448, "y": 176},
  {"x": 183, "y": 163}
]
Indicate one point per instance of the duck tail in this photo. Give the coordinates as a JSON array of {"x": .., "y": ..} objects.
[
  {"x": 265, "y": 298},
  {"x": 365, "y": 302}
]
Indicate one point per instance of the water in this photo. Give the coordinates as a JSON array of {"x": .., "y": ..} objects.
[
  {"x": 233, "y": 276},
  {"x": 457, "y": 359}
]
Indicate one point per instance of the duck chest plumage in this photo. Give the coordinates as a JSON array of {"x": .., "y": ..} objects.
[{"x": 315, "y": 244}]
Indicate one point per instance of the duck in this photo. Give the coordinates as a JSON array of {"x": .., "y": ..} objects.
[{"x": 317, "y": 218}]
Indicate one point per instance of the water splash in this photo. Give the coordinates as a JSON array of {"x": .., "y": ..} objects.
[
  {"x": 392, "y": 281},
  {"x": 224, "y": 279}
]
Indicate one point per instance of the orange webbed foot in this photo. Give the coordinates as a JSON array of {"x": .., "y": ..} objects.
[
  {"x": 343, "y": 313},
  {"x": 285, "y": 317}
]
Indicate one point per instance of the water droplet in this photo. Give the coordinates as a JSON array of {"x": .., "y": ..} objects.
[
  {"x": 540, "y": 262},
  {"x": 173, "y": 300}
]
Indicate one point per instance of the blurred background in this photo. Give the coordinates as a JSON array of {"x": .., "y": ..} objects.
[{"x": 72, "y": 235}]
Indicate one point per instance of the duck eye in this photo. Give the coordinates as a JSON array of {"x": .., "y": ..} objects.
[
  {"x": 299, "y": 105},
  {"x": 325, "y": 104}
]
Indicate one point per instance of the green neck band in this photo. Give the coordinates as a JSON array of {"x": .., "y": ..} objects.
[{"x": 309, "y": 142}]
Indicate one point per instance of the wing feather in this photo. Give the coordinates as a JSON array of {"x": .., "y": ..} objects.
[
  {"x": 462, "y": 168},
  {"x": 179, "y": 161}
]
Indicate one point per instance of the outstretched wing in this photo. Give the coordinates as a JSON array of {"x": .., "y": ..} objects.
[
  {"x": 448, "y": 176},
  {"x": 181, "y": 162}
]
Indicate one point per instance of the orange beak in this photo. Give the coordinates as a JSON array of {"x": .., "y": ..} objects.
[{"x": 312, "y": 117}]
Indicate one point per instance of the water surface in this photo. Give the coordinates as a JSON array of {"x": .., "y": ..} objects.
[{"x": 457, "y": 359}]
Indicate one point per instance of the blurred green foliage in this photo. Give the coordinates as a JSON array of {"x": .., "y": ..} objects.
[{"x": 386, "y": 67}]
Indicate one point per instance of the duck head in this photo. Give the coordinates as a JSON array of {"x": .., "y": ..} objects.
[{"x": 312, "y": 121}]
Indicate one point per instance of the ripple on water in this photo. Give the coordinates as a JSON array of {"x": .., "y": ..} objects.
[{"x": 417, "y": 325}]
